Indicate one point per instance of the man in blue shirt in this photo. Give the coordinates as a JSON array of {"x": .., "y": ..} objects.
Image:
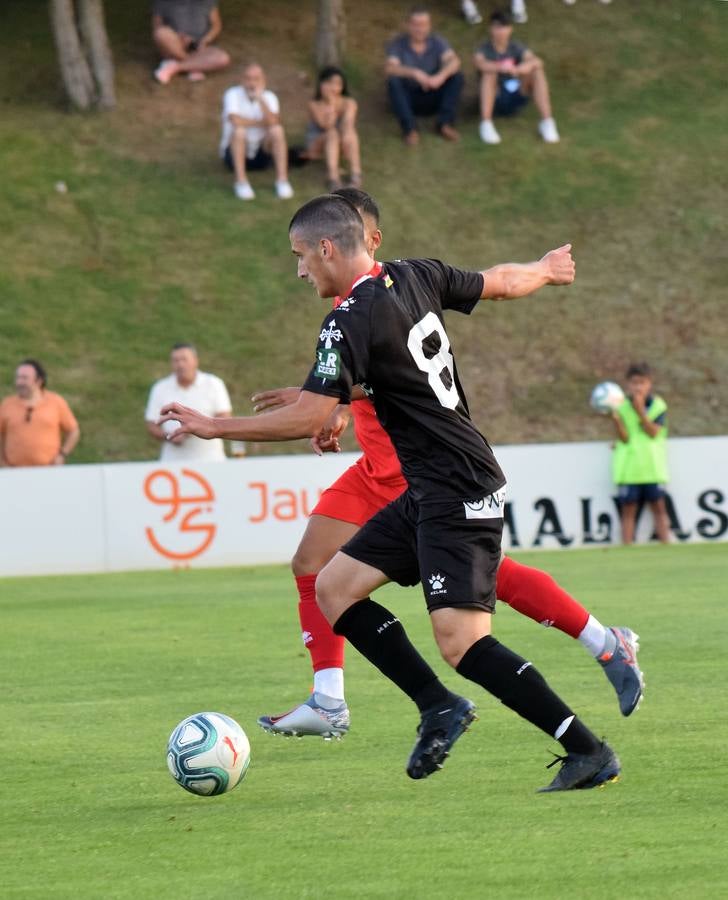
[{"x": 423, "y": 78}]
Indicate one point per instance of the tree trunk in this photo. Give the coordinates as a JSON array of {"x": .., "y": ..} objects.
[
  {"x": 75, "y": 70},
  {"x": 93, "y": 29},
  {"x": 330, "y": 33},
  {"x": 84, "y": 54}
]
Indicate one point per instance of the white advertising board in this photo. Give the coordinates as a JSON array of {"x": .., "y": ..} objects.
[{"x": 249, "y": 511}]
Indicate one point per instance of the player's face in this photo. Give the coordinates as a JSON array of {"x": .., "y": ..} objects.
[
  {"x": 184, "y": 365},
  {"x": 313, "y": 265},
  {"x": 25, "y": 381}
]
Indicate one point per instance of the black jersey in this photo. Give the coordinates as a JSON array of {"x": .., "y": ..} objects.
[{"x": 388, "y": 336}]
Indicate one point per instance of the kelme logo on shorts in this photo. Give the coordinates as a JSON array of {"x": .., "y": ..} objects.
[
  {"x": 328, "y": 364},
  {"x": 437, "y": 584}
]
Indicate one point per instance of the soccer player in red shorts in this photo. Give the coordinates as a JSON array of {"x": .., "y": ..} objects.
[{"x": 366, "y": 487}]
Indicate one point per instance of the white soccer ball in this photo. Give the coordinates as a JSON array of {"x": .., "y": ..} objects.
[
  {"x": 208, "y": 754},
  {"x": 606, "y": 397}
]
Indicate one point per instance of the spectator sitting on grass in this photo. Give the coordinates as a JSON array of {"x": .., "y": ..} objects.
[
  {"x": 509, "y": 74},
  {"x": 331, "y": 131},
  {"x": 252, "y": 134},
  {"x": 423, "y": 78},
  {"x": 183, "y": 31}
]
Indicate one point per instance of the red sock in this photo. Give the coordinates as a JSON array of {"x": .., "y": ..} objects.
[
  {"x": 535, "y": 594},
  {"x": 325, "y": 647}
]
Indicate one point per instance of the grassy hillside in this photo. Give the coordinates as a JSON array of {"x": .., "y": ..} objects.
[{"x": 148, "y": 244}]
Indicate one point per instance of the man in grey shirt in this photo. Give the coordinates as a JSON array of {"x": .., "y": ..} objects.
[
  {"x": 423, "y": 78},
  {"x": 183, "y": 32}
]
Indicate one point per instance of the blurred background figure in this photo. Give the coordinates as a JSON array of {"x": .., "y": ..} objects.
[
  {"x": 423, "y": 78},
  {"x": 331, "y": 131},
  {"x": 510, "y": 74},
  {"x": 183, "y": 32},
  {"x": 639, "y": 463},
  {"x": 37, "y": 427},
  {"x": 252, "y": 134},
  {"x": 189, "y": 386}
]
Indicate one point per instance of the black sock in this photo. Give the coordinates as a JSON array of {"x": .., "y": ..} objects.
[
  {"x": 520, "y": 687},
  {"x": 379, "y": 636}
]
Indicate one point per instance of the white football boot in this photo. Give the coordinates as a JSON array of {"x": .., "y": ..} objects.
[{"x": 320, "y": 716}]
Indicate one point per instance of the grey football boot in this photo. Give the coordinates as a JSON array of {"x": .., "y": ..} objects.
[{"x": 623, "y": 671}]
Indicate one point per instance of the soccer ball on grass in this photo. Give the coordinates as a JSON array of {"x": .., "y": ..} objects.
[
  {"x": 208, "y": 754},
  {"x": 606, "y": 397}
]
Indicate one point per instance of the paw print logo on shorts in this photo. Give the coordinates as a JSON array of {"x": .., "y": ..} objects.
[{"x": 437, "y": 583}]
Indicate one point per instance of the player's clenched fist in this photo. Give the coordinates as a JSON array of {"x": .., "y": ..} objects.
[{"x": 560, "y": 265}]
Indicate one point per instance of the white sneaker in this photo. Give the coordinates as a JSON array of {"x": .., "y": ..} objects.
[
  {"x": 488, "y": 134},
  {"x": 166, "y": 71},
  {"x": 471, "y": 13},
  {"x": 569, "y": 2},
  {"x": 518, "y": 12},
  {"x": 547, "y": 130},
  {"x": 243, "y": 190},
  {"x": 320, "y": 716},
  {"x": 284, "y": 190}
]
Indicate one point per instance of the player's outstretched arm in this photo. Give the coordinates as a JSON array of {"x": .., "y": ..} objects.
[
  {"x": 508, "y": 281},
  {"x": 301, "y": 419}
]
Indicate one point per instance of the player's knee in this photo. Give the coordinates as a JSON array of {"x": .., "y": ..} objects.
[
  {"x": 326, "y": 594},
  {"x": 304, "y": 563},
  {"x": 450, "y": 647}
]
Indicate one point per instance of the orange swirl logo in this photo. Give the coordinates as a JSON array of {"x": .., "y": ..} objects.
[{"x": 165, "y": 488}]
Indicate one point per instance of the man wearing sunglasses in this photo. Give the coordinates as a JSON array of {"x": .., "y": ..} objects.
[{"x": 37, "y": 427}]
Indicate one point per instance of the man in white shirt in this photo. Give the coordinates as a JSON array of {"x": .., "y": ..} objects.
[
  {"x": 201, "y": 390},
  {"x": 252, "y": 134}
]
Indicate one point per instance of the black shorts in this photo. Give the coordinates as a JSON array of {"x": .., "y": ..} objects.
[
  {"x": 261, "y": 160},
  {"x": 452, "y": 547},
  {"x": 507, "y": 103},
  {"x": 640, "y": 493}
]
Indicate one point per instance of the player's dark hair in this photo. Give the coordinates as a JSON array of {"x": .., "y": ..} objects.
[
  {"x": 501, "y": 17},
  {"x": 362, "y": 201},
  {"x": 40, "y": 372},
  {"x": 332, "y": 217},
  {"x": 326, "y": 74},
  {"x": 641, "y": 369},
  {"x": 418, "y": 10}
]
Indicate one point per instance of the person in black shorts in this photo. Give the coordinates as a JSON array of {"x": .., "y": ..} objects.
[
  {"x": 388, "y": 335},
  {"x": 510, "y": 74}
]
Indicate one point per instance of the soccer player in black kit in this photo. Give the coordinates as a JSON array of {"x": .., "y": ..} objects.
[{"x": 445, "y": 530}]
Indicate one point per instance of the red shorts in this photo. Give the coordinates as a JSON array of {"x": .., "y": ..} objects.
[{"x": 355, "y": 497}]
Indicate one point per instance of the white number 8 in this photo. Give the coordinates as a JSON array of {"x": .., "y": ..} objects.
[{"x": 448, "y": 396}]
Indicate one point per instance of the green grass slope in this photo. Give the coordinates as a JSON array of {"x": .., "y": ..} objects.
[
  {"x": 99, "y": 669},
  {"x": 149, "y": 246}
]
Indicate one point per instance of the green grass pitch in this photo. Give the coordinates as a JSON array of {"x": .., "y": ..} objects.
[{"x": 98, "y": 669}]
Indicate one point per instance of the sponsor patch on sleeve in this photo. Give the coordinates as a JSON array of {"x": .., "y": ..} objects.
[{"x": 328, "y": 364}]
